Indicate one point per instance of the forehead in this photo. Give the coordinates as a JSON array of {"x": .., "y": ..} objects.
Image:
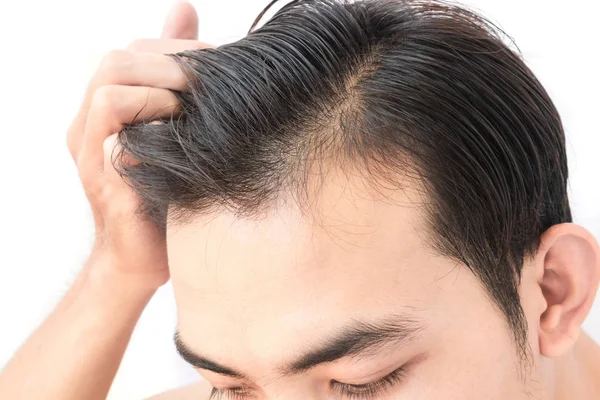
[{"x": 256, "y": 287}]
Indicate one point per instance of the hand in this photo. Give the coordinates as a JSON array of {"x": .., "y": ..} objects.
[{"x": 126, "y": 82}]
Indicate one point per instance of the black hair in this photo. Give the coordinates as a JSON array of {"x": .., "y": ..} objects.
[{"x": 427, "y": 88}]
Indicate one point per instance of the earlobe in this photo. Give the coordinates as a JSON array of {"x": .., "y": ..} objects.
[{"x": 570, "y": 257}]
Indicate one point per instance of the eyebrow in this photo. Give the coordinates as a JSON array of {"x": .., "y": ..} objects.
[{"x": 357, "y": 339}]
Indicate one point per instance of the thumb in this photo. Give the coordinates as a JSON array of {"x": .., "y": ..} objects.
[{"x": 181, "y": 23}]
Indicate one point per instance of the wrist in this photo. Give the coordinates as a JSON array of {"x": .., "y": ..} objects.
[
  {"x": 103, "y": 299},
  {"x": 102, "y": 274},
  {"x": 105, "y": 265}
]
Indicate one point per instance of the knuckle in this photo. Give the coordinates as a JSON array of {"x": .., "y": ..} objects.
[
  {"x": 136, "y": 45},
  {"x": 107, "y": 193},
  {"x": 115, "y": 201},
  {"x": 108, "y": 144},
  {"x": 113, "y": 65},
  {"x": 106, "y": 98}
]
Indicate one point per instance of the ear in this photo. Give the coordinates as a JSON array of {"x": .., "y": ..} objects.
[{"x": 569, "y": 261}]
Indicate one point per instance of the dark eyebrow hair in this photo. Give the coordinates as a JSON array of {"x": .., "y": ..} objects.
[{"x": 357, "y": 339}]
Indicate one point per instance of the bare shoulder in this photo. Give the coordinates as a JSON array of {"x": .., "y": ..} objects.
[{"x": 196, "y": 391}]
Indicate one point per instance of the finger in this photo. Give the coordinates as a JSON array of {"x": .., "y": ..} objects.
[
  {"x": 116, "y": 200},
  {"x": 166, "y": 46},
  {"x": 112, "y": 149},
  {"x": 113, "y": 107},
  {"x": 181, "y": 23},
  {"x": 120, "y": 67}
]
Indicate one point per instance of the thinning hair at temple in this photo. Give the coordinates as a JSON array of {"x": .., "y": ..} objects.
[{"x": 421, "y": 90}]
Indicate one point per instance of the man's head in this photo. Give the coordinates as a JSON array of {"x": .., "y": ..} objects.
[{"x": 388, "y": 171}]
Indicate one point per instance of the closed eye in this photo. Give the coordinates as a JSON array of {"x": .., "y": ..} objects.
[
  {"x": 236, "y": 393},
  {"x": 371, "y": 390},
  {"x": 366, "y": 391}
]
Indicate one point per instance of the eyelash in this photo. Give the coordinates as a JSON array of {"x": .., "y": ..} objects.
[
  {"x": 366, "y": 391},
  {"x": 371, "y": 390},
  {"x": 236, "y": 393}
]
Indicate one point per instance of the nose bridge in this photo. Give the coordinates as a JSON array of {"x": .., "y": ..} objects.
[
  {"x": 301, "y": 387},
  {"x": 297, "y": 393}
]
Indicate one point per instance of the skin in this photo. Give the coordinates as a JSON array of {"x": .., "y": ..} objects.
[{"x": 254, "y": 295}]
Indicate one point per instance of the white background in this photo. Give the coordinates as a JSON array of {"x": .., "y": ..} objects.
[{"x": 49, "y": 49}]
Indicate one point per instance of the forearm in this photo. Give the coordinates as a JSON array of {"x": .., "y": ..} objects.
[{"x": 76, "y": 352}]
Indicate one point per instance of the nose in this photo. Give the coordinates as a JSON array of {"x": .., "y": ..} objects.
[{"x": 300, "y": 389}]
